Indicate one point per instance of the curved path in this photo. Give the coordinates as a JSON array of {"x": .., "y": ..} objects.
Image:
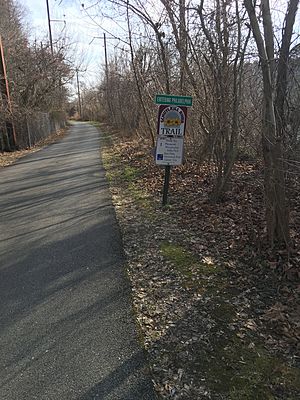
[{"x": 66, "y": 324}]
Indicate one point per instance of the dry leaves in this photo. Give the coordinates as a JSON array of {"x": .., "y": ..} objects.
[
  {"x": 8, "y": 158},
  {"x": 205, "y": 322}
]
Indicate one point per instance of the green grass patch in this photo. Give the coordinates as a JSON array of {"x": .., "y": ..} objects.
[
  {"x": 187, "y": 264},
  {"x": 130, "y": 174},
  {"x": 126, "y": 176},
  {"x": 142, "y": 198},
  {"x": 95, "y": 123},
  {"x": 112, "y": 165}
]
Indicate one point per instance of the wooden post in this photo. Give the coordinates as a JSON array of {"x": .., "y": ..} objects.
[{"x": 49, "y": 27}]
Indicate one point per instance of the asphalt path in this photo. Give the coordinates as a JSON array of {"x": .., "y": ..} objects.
[{"x": 66, "y": 324}]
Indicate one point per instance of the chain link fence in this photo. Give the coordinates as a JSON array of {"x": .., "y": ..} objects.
[{"x": 32, "y": 129}]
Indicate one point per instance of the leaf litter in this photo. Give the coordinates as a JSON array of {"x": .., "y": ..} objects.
[
  {"x": 217, "y": 311},
  {"x": 9, "y": 157}
]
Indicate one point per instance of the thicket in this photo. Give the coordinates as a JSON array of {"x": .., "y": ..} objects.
[
  {"x": 240, "y": 62},
  {"x": 36, "y": 76}
]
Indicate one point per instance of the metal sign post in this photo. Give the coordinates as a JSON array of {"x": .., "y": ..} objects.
[
  {"x": 166, "y": 185},
  {"x": 171, "y": 123}
]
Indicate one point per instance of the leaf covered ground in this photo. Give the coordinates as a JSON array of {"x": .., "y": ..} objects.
[
  {"x": 9, "y": 157},
  {"x": 218, "y": 313}
]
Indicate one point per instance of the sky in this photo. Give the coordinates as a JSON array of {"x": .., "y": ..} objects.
[
  {"x": 68, "y": 17},
  {"x": 85, "y": 27}
]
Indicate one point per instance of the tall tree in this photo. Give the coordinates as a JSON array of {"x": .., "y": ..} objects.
[
  {"x": 274, "y": 71},
  {"x": 14, "y": 39}
]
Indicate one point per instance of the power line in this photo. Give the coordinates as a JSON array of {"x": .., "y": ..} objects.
[{"x": 105, "y": 30}]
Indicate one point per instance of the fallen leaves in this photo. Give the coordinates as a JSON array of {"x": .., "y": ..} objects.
[
  {"x": 212, "y": 303},
  {"x": 251, "y": 324},
  {"x": 8, "y": 158},
  {"x": 276, "y": 313}
]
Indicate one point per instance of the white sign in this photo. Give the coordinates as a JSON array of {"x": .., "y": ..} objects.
[
  {"x": 169, "y": 150},
  {"x": 171, "y": 120}
]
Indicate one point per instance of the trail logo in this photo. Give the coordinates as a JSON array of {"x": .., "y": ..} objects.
[{"x": 171, "y": 121}]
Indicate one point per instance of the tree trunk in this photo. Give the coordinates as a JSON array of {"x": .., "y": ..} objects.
[
  {"x": 274, "y": 91},
  {"x": 277, "y": 216}
]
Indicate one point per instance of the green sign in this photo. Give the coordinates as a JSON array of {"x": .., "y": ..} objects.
[{"x": 167, "y": 99}]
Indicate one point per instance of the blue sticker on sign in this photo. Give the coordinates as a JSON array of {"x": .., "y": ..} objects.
[{"x": 160, "y": 157}]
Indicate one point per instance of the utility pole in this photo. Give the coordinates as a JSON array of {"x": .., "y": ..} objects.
[
  {"x": 104, "y": 37},
  {"x": 49, "y": 26},
  {"x": 78, "y": 93},
  {"x": 106, "y": 73},
  {"x": 5, "y": 97},
  {"x": 105, "y": 55},
  {"x": 51, "y": 44}
]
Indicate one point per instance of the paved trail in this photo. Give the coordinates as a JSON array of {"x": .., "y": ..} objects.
[{"x": 66, "y": 325}]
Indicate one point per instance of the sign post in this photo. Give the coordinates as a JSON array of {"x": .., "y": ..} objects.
[
  {"x": 166, "y": 185},
  {"x": 171, "y": 123}
]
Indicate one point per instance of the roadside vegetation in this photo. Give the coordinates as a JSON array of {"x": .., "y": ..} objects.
[
  {"x": 215, "y": 273},
  {"x": 216, "y": 309},
  {"x": 34, "y": 78},
  {"x": 239, "y": 60}
]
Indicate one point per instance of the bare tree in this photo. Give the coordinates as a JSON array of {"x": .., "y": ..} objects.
[
  {"x": 274, "y": 72},
  {"x": 219, "y": 58}
]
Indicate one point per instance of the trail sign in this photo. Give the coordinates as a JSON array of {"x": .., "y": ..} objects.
[
  {"x": 169, "y": 150},
  {"x": 171, "y": 124},
  {"x": 171, "y": 100},
  {"x": 171, "y": 120}
]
